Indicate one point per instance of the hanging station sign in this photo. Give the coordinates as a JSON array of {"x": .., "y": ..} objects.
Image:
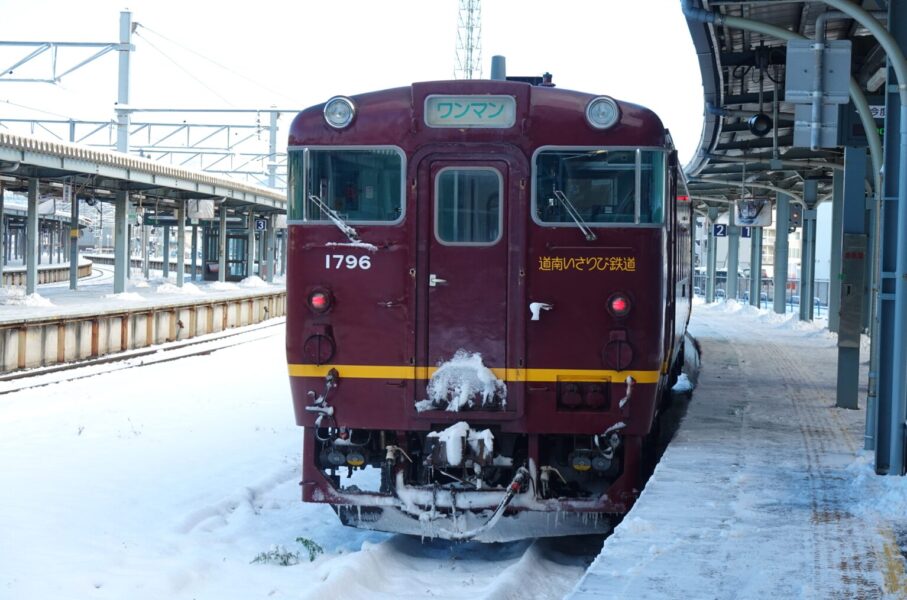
[{"x": 753, "y": 212}]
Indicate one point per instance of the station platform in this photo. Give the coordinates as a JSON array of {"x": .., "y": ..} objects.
[
  {"x": 57, "y": 325},
  {"x": 765, "y": 491}
]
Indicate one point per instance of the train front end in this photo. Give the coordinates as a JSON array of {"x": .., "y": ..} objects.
[{"x": 481, "y": 306}]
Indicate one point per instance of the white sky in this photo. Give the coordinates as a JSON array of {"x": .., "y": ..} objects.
[{"x": 294, "y": 55}]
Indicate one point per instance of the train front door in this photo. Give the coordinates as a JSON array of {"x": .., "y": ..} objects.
[{"x": 467, "y": 268}]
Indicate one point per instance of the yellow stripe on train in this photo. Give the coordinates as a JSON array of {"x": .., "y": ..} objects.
[{"x": 405, "y": 372}]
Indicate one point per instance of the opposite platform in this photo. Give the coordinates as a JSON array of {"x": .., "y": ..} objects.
[
  {"x": 57, "y": 325},
  {"x": 765, "y": 492}
]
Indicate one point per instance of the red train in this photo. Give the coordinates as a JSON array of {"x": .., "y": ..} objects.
[{"x": 489, "y": 283}]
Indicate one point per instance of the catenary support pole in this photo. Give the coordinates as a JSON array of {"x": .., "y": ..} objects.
[
  {"x": 73, "y": 235},
  {"x": 180, "y": 244},
  {"x": 272, "y": 247},
  {"x": 733, "y": 253},
  {"x": 250, "y": 243},
  {"x": 122, "y": 109},
  {"x": 711, "y": 261},
  {"x": 165, "y": 263},
  {"x": 146, "y": 260},
  {"x": 222, "y": 243},
  {"x": 31, "y": 236},
  {"x": 782, "y": 220},
  {"x": 285, "y": 239},
  {"x": 756, "y": 267},
  {"x": 272, "y": 149},
  {"x": 194, "y": 259},
  {"x": 120, "y": 243}
]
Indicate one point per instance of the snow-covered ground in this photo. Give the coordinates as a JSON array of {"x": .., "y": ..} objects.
[
  {"x": 168, "y": 481},
  {"x": 766, "y": 491}
]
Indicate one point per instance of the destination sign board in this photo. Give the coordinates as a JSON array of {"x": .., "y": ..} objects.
[{"x": 470, "y": 111}]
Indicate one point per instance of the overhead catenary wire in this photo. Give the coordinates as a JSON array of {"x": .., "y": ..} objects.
[
  {"x": 183, "y": 69},
  {"x": 212, "y": 61}
]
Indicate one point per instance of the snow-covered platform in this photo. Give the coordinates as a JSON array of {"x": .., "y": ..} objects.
[
  {"x": 57, "y": 325},
  {"x": 765, "y": 492}
]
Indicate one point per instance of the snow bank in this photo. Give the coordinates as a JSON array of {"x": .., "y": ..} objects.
[
  {"x": 683, "y": 384},
  {"x": 461, "y": 382},
  {"x": 253, "y": 282},
  {"x": 16, "y": 296},
  {"x": 125, "y": 296},
  {"x": 879, "y": 496},
  {"x": 189, "y": 289}
]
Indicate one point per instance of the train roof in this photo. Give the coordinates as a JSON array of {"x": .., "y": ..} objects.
[{"x": 544, "y": 115}]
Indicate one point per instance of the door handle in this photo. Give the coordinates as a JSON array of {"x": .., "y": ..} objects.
[{"x": 433, "y": 280}]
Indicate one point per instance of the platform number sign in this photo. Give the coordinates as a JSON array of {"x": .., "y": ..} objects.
[
  {"x": 261, "y": 224},
  {"x": 719, "y": 230},
  {"x": 746, "y": 232}
]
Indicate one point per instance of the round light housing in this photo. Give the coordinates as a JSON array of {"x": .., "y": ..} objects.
[
  {"x": 355, "y": 458},
  {"x": 602, "y": 112},
  {"x": 339, "y": 112},
  {"x": 619, "y": 305},
  {"x": 760, "y": 124},
  {"x": 320, "y": 301}
]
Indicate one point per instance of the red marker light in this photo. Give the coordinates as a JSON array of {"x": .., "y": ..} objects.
[
  {"x": 320, "y": 301},
  {"x": 619, "y": 305}
]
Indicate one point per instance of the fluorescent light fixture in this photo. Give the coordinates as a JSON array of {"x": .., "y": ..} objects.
[{"x": 877, "y": 79}]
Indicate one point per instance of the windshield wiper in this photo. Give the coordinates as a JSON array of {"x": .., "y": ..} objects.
[
  {"x": 347, "y": 230},
  {"x": 574, "y": 214}
]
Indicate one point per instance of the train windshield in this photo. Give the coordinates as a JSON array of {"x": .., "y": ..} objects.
[
  {"x": 358, "y": 185},
  {"x": 604, "y": 186}
]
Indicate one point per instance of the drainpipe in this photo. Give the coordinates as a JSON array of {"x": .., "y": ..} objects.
[{"x": 818, "y": 53}]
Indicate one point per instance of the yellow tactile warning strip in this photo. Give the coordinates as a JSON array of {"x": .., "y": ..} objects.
[
  {"x": 515, "y": 375},
  {"x": 893, "y": 566}
]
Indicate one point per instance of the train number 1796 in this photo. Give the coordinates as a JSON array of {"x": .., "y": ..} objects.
[{"x": 347, "y": 261}]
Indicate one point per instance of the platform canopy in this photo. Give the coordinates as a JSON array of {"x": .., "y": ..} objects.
[
  {"x": 99, "y": 174},
  {"x": 743, "y": 50}
]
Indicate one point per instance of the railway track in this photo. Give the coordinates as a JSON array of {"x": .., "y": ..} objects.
[
  {"x": 413, "y": 568},
  {"x": 206, "y": 344}
]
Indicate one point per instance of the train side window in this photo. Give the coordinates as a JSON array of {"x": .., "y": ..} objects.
[
  {"x": 468, "y": 207},
  {"x": 652, "y": 186},
  {"x": 361, "y": 185}
]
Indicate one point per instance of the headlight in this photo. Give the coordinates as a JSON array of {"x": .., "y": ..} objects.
[
  {"x": 339, "y": 112},
  {"x": 602, "y": 112}
]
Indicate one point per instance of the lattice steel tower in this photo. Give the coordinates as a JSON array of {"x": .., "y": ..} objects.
[{"x": 469, "y": 40}]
